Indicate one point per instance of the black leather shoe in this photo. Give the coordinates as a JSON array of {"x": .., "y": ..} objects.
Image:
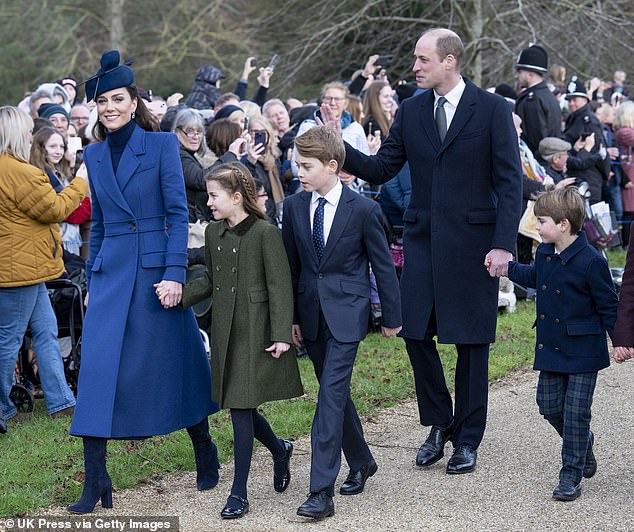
[
  {"x": 356, "y": 479},
  {"x": 566, "y": 491},
  {"x": 317, "y": 506},
  {"x": 237, "y": 509},
  {"x": 463, "y": 460},
  {"x": 280, "y": 483},
  {"x": 434, "y": 447},
  {"x": 590, "y": 467}
]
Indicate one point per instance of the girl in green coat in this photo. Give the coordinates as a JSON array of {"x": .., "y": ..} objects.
[{"x": 249, "y": 279}]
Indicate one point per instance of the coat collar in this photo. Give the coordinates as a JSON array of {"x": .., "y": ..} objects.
[
  {"x": 464, "y": 111},
  {"x": 567, "y": 254},
  {"x": 239, "y": 229}
]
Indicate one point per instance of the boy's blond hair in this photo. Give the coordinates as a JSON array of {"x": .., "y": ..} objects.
[
  {"x": 559, "y": 204},
  {"x": 323, "y": 144}
]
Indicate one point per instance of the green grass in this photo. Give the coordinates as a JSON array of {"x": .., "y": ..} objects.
[{"x": 41, "y": 465}]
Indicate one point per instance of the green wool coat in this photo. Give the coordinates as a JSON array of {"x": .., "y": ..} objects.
[{"x": 249, "y": 279}]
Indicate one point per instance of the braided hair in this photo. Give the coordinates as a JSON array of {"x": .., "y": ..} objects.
[{"x": 235, "y": 177}]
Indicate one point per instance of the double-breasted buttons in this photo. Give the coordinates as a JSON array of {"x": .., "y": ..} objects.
[
  {"x": 544, "y": 287},
  {"x": 218, "y": 268},
  {"x": 217, "y": 288},
  {"x": 541, "y": 316},
  {"x": 234, "y": 250},
  {"x": 557, "y": 320},
  {"x": 320, "y": 276},
  {"x": 219, "y": 247},
  {"x": 234, "y": 269},
  {"x": 540, "y": 346},
  {"x": 563, "y": 262},
  {"x": 548, "y": 259},
  {"x": 556, "y": 349},
  {"x": 233, "y": 289},
  {"x": 558, "y": 292}
]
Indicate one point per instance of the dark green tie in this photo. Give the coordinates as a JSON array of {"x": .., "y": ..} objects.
[{"x": 441, "y": 118}]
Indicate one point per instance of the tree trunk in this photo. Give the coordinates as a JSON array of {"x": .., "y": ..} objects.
[{"x": 116, "y": 28}]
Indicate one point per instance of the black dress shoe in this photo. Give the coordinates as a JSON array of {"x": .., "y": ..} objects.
[
  {"x": 317, "y": 506},
  {"x": 566, "y": 491},
  {"x": 238, "y": 508},
  {"x": 463, "y": 460},
  {"x": 434, "y": 447},
  {"x": 356, "y": 479},
  {"x": 590, "y": 467},
  {"x": 280, "y": 483}
]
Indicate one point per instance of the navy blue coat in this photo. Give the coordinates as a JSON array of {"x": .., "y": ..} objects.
[
  {"x": 576, "y": 306},
  {"x": 144, "y": 370},
  {"x": 466, "y": 200},
  {"x": 339, "y": 284}
]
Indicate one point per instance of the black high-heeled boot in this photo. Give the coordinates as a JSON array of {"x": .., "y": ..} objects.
[
  {"x": 97, "y": 483},
  {"x": 206, "y": 455}
]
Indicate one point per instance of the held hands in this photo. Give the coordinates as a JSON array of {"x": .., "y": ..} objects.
[
  {"x": 169, "y": 293},
  {"x": 497, "y": 262},
  {"x": 389, "y": 332},
  {"x": 277, "y": 349},
  {"x": 621, "y": 354}
]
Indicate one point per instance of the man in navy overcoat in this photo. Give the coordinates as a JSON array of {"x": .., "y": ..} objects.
[{"x": 460, "y": 231}]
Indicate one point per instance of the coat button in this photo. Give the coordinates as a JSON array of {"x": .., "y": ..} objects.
[
  {"x": 234, "y": 269},
  {"x": 219, "y": 247},
  {"x": 234, "y": 250},
  {"x": 544, "y": 287},
  {"x": 217, "y": 289},
  {"x": 563, "y": 262},
  {"x": 540, "y": 346},
  {"x": 557, "y": 292},
  {"x": 541, "y": 316},
  {"x": 556, "y": 349},
  {"x": 133, "y": 227},
  {"x": 233, "y": 289},
  {"x": 556, "y": 320},
  {"x": 320, "y": 276},
  {"x": 548, "y": 259},
  {"x": 218, "y": 268}
]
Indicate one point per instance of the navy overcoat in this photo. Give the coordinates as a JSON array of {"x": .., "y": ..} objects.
[
  {"x": 144, "y": 370},
  {"x": 466, "y": 200}
]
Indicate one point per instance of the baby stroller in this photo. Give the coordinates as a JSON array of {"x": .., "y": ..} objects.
[
  {"x": 600, "y": 225},
  {"x": 67, "y": 298}
]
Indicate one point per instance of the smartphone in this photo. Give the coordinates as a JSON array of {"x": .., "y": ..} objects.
[
  {"x": 384, "y": 60},
  {"x": 260, "y": 137},
  {"x": 74, "y": 144},
  {"x": 254, "y": 62},
  {"x": 275, "y": 59}
]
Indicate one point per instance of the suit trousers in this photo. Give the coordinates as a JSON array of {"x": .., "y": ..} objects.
[
  {"x": 471, "y": 387},
  {"x": 565, "y": 400},
  {"x": 336, "y": 424}
]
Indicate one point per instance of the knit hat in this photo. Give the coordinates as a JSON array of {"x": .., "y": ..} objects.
[
  {"x": 110, "y": 76},
  {"x": 47, "y": 110},
  {"x": 552, "y": 145},
  {"x": 533, "y": 58},
  {"x": 227, "y": 111},
  {"x": 576, "y": 88}
]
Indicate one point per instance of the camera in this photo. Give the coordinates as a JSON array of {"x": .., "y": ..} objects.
[
  {"x": 384, "y": 60},
  {"x": 275, "y": 59}
]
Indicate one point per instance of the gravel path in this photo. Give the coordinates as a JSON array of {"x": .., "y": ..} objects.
[{"x": 518, "y": 466}]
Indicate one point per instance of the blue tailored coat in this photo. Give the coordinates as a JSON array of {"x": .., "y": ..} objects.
[
  {"x": 576, "y": 306},
  {"x": 465, "y": 200},
  {"x": 339, "y": 284},
  {"x": 144, "y": 370}
]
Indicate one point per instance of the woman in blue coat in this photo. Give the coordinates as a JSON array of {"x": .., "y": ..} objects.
[{"x": 144, "y": 369}]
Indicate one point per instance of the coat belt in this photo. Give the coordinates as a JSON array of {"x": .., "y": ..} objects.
[{"x": 134, "y": 225}]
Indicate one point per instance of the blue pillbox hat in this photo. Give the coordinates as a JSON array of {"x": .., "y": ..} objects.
[{"x": 110, "y": 76}]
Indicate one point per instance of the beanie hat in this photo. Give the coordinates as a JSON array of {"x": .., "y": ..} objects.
[
  {"x": 533, "y": 58},
  {"x": 110, "y": 76},
  {"x": 47, "y": 110}
]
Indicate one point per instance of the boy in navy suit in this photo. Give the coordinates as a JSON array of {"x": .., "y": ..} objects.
[
  {"x": 576, "y": 305},
  {"x": 331, "y": 235}
]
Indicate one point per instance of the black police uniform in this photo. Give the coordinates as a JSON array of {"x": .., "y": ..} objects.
[{"x": 540, "y": 113}]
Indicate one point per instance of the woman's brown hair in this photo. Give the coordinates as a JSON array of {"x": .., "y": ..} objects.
[
  {"x": 142, "y": 116},
  {"x": 372, "y": 107},
  {"x": 220, "y": 134},
  {"x": 235, "y": 177},
  {"x": 39, "y": 156}
]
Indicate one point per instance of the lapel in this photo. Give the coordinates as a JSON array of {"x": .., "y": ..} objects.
[
  {"x": 104, "y": 175},
  {"x": 129, "y": 159},
  {"x": 342, "y": 214},
  {"x": 464, "y": 112},
  {"x": 427, "y": 119},
  {"x": 305, "y": 231}
]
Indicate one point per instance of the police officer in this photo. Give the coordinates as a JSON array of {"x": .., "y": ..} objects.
[
  {"x": 581, "y": 124},
  {"x": 536, "y": 105}
]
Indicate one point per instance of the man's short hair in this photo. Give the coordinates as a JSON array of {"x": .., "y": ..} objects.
[
  {"x": 270, "y": 103},
  {"x": 226, "y": 97},
  {"x": 559, "y": 204},
  {"x": 323, "y": 144},
  {"x": 447, "y": 42}
]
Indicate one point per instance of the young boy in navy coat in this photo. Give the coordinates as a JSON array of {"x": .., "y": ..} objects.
[
  {"x": 331, "y": 235},
  {"x": 576, "y": 305}
]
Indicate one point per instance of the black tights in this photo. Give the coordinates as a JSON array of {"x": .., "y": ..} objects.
[{"x": 248, "y": 423}]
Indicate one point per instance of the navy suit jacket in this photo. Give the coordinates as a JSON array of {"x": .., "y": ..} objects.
[
  {"x": 339, "y": 284},
  {"x": 466, "y": 200}
]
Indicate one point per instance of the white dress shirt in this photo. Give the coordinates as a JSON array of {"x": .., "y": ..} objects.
[
  {"x": 453, "y": 99},
  {"x": 330, "y": 207}
]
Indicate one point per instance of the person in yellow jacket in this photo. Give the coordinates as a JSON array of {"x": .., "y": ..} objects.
[{"x": 30, "y": 254}]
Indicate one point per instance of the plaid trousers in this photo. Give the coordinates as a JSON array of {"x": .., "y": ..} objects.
[{"x": 565, "y": 400}]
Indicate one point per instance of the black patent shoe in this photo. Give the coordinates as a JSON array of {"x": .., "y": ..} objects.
[
  {"x": 434, "y": 447},
  {"x": 356, "y": 480},
  {"x": 235, "y": 511},
  {"x": 566, "y": 491},
  {"x": 317, "y": 506},
  {"x": 280, "y": 483},
  {"x": 462, "y": 461}
]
